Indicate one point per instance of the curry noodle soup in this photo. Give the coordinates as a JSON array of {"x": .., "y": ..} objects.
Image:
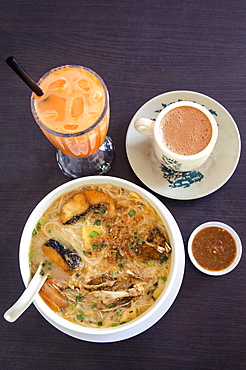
[{"x": 106, "y": 252}]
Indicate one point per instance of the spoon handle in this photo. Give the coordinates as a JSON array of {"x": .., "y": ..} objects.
[{"x": 27, "y": 296}]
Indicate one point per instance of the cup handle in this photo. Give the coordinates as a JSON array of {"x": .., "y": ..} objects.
[{"x": 144, "y": 126}]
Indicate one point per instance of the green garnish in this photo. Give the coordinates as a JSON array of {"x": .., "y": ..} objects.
[
  {"x": 85, "y": 253},
  {"x": 111, "y": 305},
  {"x": 115, "y": 324},
  {"x": 162, "y": 278},
  {"x": 34, "y": 232},
  {"x": 150, "y": 263},
  {"x": 163, "y": 259},
  {"x": 135, "y": 234},
  {"x": 42, "y": 221},
  {"x": 93, "y": 305},
  {"x": 99, "y": 323},
  {"x": 79, "y": 298},
  {"x": 118, "y": 255},
  {"x": 118, "y": 313},
  {"x": 131, "y": 213},
  {"x": 103, "y": 210},
  {"x": 81, "y": 316},
  {"x": 97, "y": 222},
  {"x": 95, "y": 246},
  {"x": 94, "y": 233},
  {"x": 120, "y": 265},
  {"x": 141, "y": 242},
  {"x": 41, "y": 273},
  {"x": 130, "y": 246}
]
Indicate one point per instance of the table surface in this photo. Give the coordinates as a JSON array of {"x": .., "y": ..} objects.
[{"x": 141, "y": 49}]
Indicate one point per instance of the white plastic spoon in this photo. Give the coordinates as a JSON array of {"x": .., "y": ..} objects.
[{"x": 27, "y": 296}]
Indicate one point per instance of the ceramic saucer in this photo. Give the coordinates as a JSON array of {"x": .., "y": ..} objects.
[{"x": 212, "y": 175}]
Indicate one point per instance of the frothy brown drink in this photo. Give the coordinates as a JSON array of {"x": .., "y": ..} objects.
[{"x": 185, "y": 130}]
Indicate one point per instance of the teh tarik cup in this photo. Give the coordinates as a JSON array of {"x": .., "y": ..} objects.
[{"x": 184, "y": 135}]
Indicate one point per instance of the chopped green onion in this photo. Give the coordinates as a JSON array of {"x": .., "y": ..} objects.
[
  {"x": 103, "y": 210},
  {"x": 120, "y": 265},
  {"x": 118, "y": 313},
  {"x": 115, "y": 324},
  {"x": 94, "y": 246},
  {"x": 141, "y": 242},
  {"x": 97, "y": 222},
  {"x": 99, "y": 323},
  {"x": 150, "y": 263},
  {"x": 94, "y": 233},
  {"x": 130, "y": 246},
  {"x": 34, "y": 232},
  {"x": 85, "y": 253},
  {"x": 81, "y": 316},
  {"x": 163, "y": 259},
  {"x": 79, "y": 298},
  {"x": 135, "y": 234},
  {"x": 131, "y": 213},
  {"x": 111, "y": 305},
  {"x": 162, "y": 278},
  {"x": 42, "y": 221}
]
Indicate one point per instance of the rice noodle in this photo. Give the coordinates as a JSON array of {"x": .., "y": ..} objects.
[{"x": 116, "y": 258}]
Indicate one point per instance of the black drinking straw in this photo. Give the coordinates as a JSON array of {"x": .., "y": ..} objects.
[{"x": 12, "y": 62}]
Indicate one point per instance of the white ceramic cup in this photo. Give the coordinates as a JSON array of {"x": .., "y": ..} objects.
[{"x": 170, "y": 159}]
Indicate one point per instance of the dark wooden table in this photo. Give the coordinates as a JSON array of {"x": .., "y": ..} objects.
[{"x": 141, "y": 49}]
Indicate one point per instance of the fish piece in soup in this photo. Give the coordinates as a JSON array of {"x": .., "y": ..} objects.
[
  {"x": 74, "y": 208},
  {"x": 82, "y": 203},
  {"x": 61, "y": 256},
  {"x": 95, "y": 197},
  {"x": 52, "y": 296}
]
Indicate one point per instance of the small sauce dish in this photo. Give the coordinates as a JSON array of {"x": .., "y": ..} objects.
[{"x": 214, "y": 248}]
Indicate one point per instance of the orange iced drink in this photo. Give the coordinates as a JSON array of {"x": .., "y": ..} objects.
[{"x": 73, "y": 112}]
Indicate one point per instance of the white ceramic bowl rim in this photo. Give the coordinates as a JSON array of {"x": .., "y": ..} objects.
[
  {"x": 235, "y": 237},
  {"x": 171, "y": 228}
]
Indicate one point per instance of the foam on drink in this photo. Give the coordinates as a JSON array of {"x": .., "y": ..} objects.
[{"x": 185, "y": 130}]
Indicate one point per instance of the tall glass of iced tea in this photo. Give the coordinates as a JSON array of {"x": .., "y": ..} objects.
[{"x": 73, "y": 113}]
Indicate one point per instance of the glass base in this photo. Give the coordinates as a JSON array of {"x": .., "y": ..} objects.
[{"x": 98, "y": 163}]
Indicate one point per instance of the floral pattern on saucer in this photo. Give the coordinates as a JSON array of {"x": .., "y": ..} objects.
[{"x": 212, "y": 175}]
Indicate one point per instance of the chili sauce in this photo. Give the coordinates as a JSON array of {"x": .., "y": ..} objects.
[{"x": 214, "y": 248}]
